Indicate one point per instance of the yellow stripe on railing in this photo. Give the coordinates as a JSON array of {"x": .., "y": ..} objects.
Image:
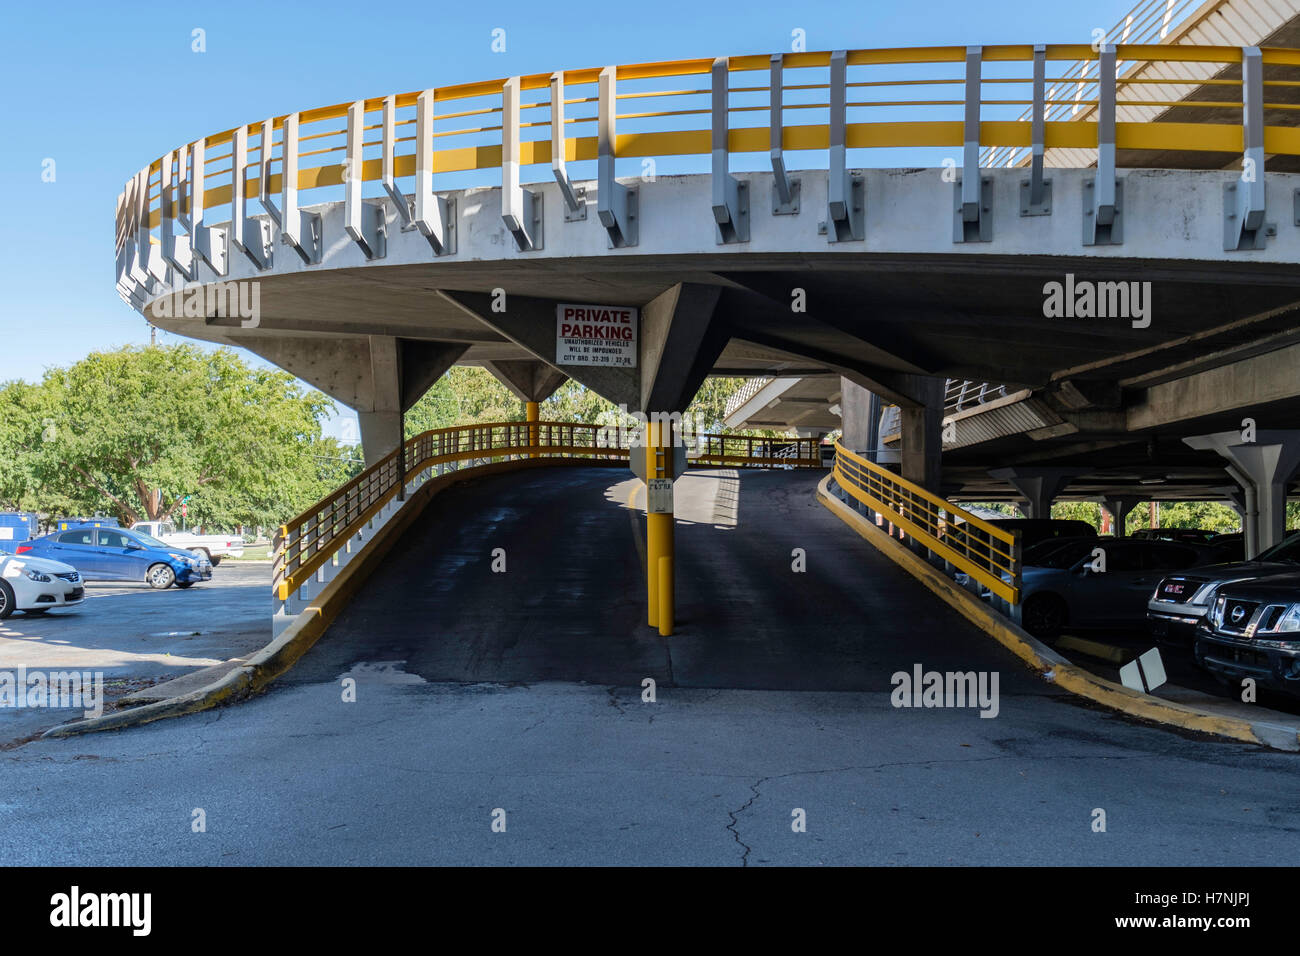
[
  {"x": 309, "y": 540},
  {"x": 987, "y": 553}
]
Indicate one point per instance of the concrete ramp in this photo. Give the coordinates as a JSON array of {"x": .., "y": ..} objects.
[{"x": 570, "y": 604}]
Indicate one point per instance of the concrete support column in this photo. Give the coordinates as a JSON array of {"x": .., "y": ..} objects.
[
  {"x": 1039, "y": 486},
  {"x": 1264, "y": 468},
  {"x": 1118, "y": 508},
  {"x": 921, "y": 455}
]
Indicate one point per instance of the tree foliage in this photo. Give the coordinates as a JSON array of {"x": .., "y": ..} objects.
[
  {"x": 468, "y": 395},
  {"x": 132, "y": 432}
]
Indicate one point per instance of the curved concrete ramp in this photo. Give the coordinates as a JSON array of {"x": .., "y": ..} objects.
[{"x": 570, "y": 605}]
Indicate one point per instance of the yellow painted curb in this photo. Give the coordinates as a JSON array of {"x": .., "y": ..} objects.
[
  {"x": 1103, "y": 652},
  {"x": 1054, "y": 668},
  {"x": 286, "y": 650}
]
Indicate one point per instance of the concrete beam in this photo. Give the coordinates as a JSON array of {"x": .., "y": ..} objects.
[
  {"x": 677, "y": 344},
  {"x": 378, "y": 376},
  {"x": 530, "y": 323},
  {"x": 423, "y": 363},
  {"x": 528, "y": 381},
  {"x": 1039, "y": 486},
  {"x": 1246, "y": 384}
]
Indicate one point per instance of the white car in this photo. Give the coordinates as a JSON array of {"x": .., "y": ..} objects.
[
  {"x": 36, "y": 585},
  {"x": 214, "y": 547}
]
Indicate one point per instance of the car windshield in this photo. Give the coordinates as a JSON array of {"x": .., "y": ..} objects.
[
  {"x": 1060, "y": 555},
  {"x": 149, "y": 542},
  {"x": 1286, "y": 551}
]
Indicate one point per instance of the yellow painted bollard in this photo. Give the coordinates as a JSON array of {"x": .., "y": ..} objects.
[
  {"x": 659, "y": 528},
  {"x": 532, "y": 413},
  {"x": 665, "y": 596}
]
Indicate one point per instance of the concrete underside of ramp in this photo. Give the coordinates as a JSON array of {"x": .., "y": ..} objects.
[{"x": 570, "y": 606}]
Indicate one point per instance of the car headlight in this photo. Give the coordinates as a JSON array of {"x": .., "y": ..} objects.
[
  {"x": 1290, "y": 620},
  {"x": 38, "y": 576},
  {"x": 184, "y": 559}
]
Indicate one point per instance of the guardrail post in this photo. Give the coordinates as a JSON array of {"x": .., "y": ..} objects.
[
  {"x": 1103, "y": 196},
  {"x": 785, "y": 191},
  {"x": 1036, "y": 192},
  {"x": 365, "y": 224},
  {"x": 250, "y": 236},
  {"x": 730, "y": 195},
  {"x": 208, "y": 241},
  {"x": 300, "y": 230},
  {"x": 846, "y": 194},
  {"x": 521, "y": 209},
  {"x": 973, "y": 193},
  {"x": 389, "y": 172},
  {"x": 1243, "y": 200},
  {"x": 575, "y": 198},
  {"x": 435, "y": 216},
  {"x": 616, "y": 204},
  {"x": 175, "y": 249}
]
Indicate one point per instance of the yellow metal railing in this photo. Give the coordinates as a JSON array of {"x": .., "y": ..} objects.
[
  {"x": 894, "y": 98},
  {"x": 987, "y": 553},
  {"x": 309, "y": 540}
]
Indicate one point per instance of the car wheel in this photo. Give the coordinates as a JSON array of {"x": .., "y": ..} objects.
[
  {"x": 215, "y": 561},
  {"x": 161, "y": 577},
  {"x": 6, "y": 599},
  {"x": 184, "y": 584},
  {"x": 1043, "y": 615}
]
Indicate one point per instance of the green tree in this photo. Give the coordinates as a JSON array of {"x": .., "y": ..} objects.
[{"x": 133, "y": 431}]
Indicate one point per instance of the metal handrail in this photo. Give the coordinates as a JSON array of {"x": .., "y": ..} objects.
[
  {"x": 304, "y": 543},
  {"x": 473, "y": 133},
  {"x": 986, "y": 552}
]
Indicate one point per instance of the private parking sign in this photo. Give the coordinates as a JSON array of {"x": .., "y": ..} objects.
[{"x": 595, "y": 335}]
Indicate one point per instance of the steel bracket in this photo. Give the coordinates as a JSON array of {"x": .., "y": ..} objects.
[{"x": 980, "y": 229}]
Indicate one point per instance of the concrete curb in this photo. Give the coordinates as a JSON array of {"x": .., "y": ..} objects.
[
  {"x": 1050, "y": 665},
  {"x": 281, "y": 654}
]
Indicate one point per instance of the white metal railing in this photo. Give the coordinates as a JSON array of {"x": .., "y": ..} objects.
[{"x": 747, "y": 391}]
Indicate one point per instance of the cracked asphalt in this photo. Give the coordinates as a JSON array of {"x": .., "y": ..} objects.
[{"x": 524, "y": 692}]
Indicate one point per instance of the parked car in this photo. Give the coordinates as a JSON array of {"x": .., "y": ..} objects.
[
  {"x": 1253, "y": 630},
  {"x": 1189, "y": 535},
  {"x": 116, "y": 554},
  {"x": 36, "y": 585},
  {"x": 1032, "y": 531},
  {"x": 1060, "y": 587},
  {"x": 1179, "y": 601},
  {"x": 214, "y": 547}
]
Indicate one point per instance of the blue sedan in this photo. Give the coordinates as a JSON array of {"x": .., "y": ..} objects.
[{"x": 115, "y": 554}]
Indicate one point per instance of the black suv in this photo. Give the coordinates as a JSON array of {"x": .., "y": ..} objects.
[{"x": 1253, "y": 630}]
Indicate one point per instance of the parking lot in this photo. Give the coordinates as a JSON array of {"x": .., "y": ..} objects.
[{"x": 137, "y": 636}]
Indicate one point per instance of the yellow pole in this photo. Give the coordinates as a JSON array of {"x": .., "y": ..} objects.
[
  {"x": 532, "y": 413},
  {"x": 665, "y": 596},
  {"x": 659, "y": 532}
]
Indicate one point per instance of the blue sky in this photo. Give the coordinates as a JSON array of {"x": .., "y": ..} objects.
[{"x": 103, "y": 88}]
